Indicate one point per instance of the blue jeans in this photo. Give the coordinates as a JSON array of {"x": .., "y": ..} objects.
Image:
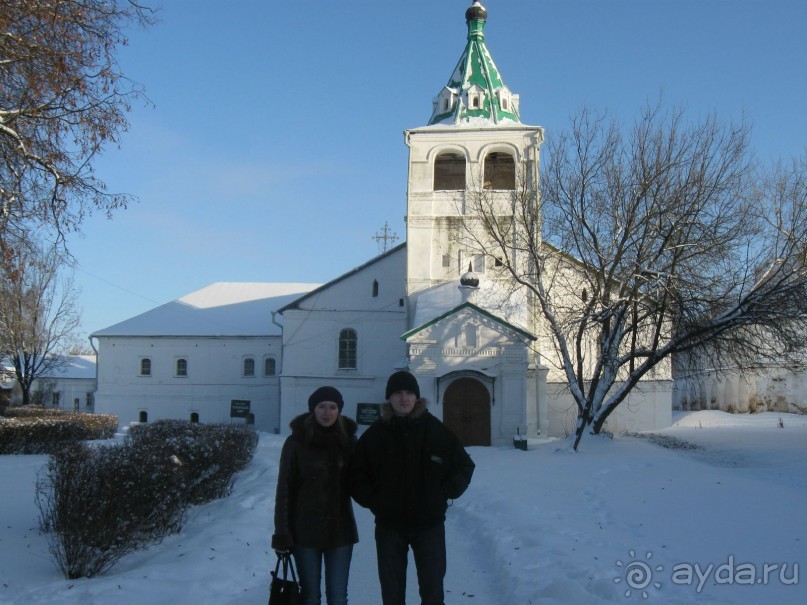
[
  {"x": 429, "y": 550},
  {"x": 337, "y": 569}
]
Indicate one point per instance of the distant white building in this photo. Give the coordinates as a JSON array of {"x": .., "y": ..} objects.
[
  {"x": 427, "y": 305},
  {"x": 70, "y": 384}
]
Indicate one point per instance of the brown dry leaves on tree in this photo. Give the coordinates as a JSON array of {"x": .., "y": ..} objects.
[{"x": 62, "y": 98}]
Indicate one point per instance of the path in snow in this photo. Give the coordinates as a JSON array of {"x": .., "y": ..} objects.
[
  {"x": 185, "y": 568},
  {"x": 468, "y": 579}
]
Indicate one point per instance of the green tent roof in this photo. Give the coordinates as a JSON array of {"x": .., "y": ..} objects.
[{"x": 475, "y": 92}]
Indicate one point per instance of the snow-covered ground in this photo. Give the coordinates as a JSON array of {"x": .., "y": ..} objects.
[{"x": 713, "y": 511}]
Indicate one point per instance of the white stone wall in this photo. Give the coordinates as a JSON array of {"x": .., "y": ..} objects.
[
  {"x": 765, "y": 389},
  {"x": 215, "y": 378},
  {"x": 311, "y": 337},
  {"x": 70, "y": 390},
  {"x": 647, "y": 408}
]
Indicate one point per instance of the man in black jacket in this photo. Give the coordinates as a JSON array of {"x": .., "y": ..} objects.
[{"x": 406, "y": 467}]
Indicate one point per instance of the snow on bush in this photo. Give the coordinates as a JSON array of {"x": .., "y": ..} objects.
[
  {"x": 100, "y": 503},
  {"x": 36, "y": 430}
]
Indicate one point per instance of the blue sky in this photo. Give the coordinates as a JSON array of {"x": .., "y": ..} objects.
[{"x": 274, "y": 150}]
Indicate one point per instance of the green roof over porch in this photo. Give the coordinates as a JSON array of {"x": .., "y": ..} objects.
[{"x": 468, "y": 305}]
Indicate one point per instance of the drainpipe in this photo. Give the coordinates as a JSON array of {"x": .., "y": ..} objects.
[
  {"x": 97, "y": 359},
  {"x": 282, "y": 366}
]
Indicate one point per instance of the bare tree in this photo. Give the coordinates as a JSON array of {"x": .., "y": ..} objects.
[
  {"x": 643, "y": 245},
  {"x": 62, "y": 98},
  {"x": 38, "y": 313}
]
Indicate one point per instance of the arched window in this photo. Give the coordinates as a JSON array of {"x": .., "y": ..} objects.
[
  {"x": 449, "y": 172},
  {"x": 145, "y": 367},
  {"x": 249, "y": 366},
  {"x": 375, "y": 288},
  {"x": 182, "y": 367},
  {"x": 348, "y": 341},
  {"x": 143, "y": 416},
  {"x": 194, "y": 417},
  {"x": 500, "y": 171},
  {"x": 269, "y": 366}
]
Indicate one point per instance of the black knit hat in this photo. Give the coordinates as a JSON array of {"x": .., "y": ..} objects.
[
  {"x": 325, "y": 394},
  {"x": 402, "y": 381}
]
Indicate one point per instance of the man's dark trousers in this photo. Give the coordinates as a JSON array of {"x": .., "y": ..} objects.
[{"x": 429, "y": 549}]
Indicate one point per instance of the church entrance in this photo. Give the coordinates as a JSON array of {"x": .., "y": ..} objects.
[{"x": 466, "y": 411}]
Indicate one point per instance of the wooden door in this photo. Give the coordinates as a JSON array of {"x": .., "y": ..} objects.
[{"x": 466, "y": 411}]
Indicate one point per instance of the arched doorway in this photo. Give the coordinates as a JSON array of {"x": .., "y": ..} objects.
[{"x": 466, "y": 411}]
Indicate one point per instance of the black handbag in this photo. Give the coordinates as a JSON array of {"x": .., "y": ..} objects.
[{"x": 284, "y": 589}]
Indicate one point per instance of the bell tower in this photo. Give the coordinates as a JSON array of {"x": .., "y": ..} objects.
[{"x": 473, "y": 144}]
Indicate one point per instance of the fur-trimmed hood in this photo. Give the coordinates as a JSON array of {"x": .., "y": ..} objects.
[
  {"x": 387, "y": 413},
  {"x": 305, "y": 428}
]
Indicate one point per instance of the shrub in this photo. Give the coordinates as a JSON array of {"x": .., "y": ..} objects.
[
  {"x": 29, "y": 411},
  {"x": 100, "y": 503},
  {"x": 43, "y": 431},
  {"x": 209, "y": 454}
]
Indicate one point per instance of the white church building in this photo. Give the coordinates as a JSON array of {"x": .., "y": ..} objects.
[{"x": 255, "y": 351}]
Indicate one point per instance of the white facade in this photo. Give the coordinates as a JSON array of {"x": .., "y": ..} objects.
[
  {"x": 488, "y": 357},
  {"x": 193, "y": 358},
  {"x": 212, "y": 377},
  {"x": 370, "y": 303},
  {"x": 69, "y": 385}
]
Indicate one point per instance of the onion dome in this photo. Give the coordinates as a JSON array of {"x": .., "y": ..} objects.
[
  {"x": 476, "y": 11},
  {"x": 469, "y": 279}
]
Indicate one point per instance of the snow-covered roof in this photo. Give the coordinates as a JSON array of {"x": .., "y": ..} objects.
[
  {"x": 441, "y": 300},
  {"x": 73, "y": 366},
  {"x": 220, "y": 309},
  {"x": 67, "y": 366}
]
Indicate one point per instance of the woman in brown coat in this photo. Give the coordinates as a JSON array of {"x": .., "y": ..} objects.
[{"x": 313, "y": 512}]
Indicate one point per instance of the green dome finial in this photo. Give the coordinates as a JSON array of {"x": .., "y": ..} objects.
[
  {"x": 475, "y": 17},
  {"x": 476, "y": 11}
]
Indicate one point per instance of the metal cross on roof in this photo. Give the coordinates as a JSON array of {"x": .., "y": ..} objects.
[{"x": 385, "y": 238}]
